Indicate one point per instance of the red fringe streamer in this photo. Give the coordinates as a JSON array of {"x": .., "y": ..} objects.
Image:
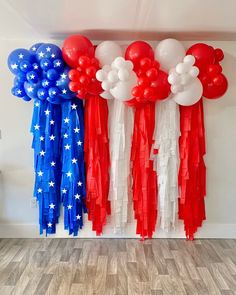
[
  {"x": 97, "y": 160},
  {"x": 144, "y": 176},
  {"x": 192, "y": 173}
]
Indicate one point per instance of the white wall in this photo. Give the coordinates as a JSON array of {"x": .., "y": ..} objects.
[{"x": 18, "y": 219}]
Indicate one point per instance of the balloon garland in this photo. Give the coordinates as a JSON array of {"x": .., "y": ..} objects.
[
  {"x": 138, "y": 80},
  {"x": 78, "y": 52},
  {"x": 42, "y": 75}
]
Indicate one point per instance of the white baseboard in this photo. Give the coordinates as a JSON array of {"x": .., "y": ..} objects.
[{"x": 208, "y": 230}]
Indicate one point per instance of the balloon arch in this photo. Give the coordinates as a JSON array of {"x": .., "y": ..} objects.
[{"x": 138, "y": 135}]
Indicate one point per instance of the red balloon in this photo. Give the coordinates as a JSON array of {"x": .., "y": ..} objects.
[
  {"x": 94, "y": 62},
  {"x": 214, "y": 69},
  {"x": 84, "y": 61},
  {"x": 145, "y": 63},
  {"x": 152, "y": 74},
  {"x": 91, "y": 71},
  {"x": 143, "y": 81},
  {"x": 73, "y": 75},
  {"x": 74, "y": 86},
  {"x": 74, "y": 47},
  {"x": 84, "y": 80},
  {"x": 203, "y": 53},
  {"x": 137, "y": 91},
  {"x": 216, "y": 88},
  {"x": 162, "y": 89},
  {"x": 156, "y": 64},
  {"x": 219, "y": 54},
  {"x": 218, "y": 80},
  {"x": 81, "y": 93},
  {"x": 137, "y": 51},
  {"x": 148, "y": 93}
]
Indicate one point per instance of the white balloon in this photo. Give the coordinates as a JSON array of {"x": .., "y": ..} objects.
[
  {"x": 186, "y": 79},
  {"x": 194, "y": 72},
  {"x": 106, "y": 85},
  {"x": 169, "y": 53},
  {"x": 189, "y": 59},
  {"x": 112, "y": 76},
  {"x": 129, "y": 65},
  {"x": 101, "y": 75},
  {"x": 174, "y": 78},
  {"x": 107, "y": 51},
  {"x": 123, "y": 74},
  {"x": 106, "y": 95},
  {"x": 123, "y": 89},
  {"x": 106, "y": 68},
  {"x": 176, "y": 88},
  {"x": 191, "y": 94},
  {"x": 118, "y": 63},
  {"x": 182, "y": 68}
]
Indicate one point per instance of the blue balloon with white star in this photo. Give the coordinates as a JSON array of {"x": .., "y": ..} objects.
[
  {"x": 31, "y": 90},
  {"x": 33, "y": 49},
  {"x": 17, "y": 57},
  {"x": 49, "y": 51}
]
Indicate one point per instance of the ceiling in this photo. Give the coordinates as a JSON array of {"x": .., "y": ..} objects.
[{"x": 119, "y": 19}]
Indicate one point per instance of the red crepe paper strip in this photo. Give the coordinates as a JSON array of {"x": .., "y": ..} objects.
[
  {"x": 144, "y": 176},
  {"x": 192, "y": 172},
  {"x": 97, "y": 160}
]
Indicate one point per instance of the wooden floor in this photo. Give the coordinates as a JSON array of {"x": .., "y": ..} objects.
[{"x": 112, "y": 266}]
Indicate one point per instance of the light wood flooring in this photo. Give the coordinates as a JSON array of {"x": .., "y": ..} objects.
[{"x": 117, "y": 266}]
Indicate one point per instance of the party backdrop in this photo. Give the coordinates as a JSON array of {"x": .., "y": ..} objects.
[{"x": 114, "y": 154}]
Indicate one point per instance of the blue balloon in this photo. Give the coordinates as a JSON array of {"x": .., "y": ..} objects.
[
  {"x": 21, "y": 77},
  {"x": 52, "y": 74},
  {"x": 13, "y": 91},
  {"x": 25, "y": 66},
  {"x": 31, "y": 89},
  {"x": 16, "y": 57},
  {"x": 33, "y": 49},
  {"x": 26, "y": 98},
  {"x": 53, "y": 92},
  {"x": 47, "y": 83},
  {"x": 45, "y": 64},
  {"x": 32, "y": 77},
  {"x": 17, "y": 83},
  {"x": 48, "y": 50},
  {"x": 36, "y": 67},
  {"x": 42, "y": 93},
  {"x": 19, "y": 91},
  {"x": 58, "y": 64}
]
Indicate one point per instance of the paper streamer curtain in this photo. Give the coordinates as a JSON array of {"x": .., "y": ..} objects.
[{"x": 121, "y": 145}]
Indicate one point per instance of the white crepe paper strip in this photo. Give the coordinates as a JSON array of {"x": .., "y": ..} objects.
[
  {"x": 166, "y": 137},
  {"x": 120, "y": 195}
]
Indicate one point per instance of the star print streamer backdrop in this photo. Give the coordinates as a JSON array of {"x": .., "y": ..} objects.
[
  {"x": 138, "y": 80},
  {"x": 57, "y": 127}
]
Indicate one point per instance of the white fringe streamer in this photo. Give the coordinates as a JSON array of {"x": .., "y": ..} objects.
[
  {"x": 166, "y": 137},
  {"x": 121, "y": 127}
]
